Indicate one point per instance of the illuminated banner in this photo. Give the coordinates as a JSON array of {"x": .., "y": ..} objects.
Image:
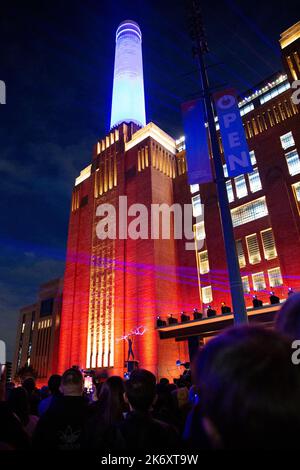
[
  {"x": 232, "y": 133},
  {"x": 197, "y": 153}
]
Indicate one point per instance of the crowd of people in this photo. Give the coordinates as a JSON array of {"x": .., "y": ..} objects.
[{"x": 243, "y": 392}]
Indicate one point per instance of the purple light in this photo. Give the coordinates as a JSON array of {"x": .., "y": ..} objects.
[{"x": 128, "y": 102}]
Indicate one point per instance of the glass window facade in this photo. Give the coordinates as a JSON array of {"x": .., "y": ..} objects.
[
  {"x": 199, "y": 230},
  {"x": 277, "y": 90},
  {"x": 203, "y": 262},
  {"x": 259, "y": 282},
  {"x": 195, "y": 188},
  {"x": 246, "y": 284},
  {"x": 248, "y": 212},
  {"x": 287, "y": 140},
  {"x": 254, "y": 181},
  {"x": 229, "y": 191},
  {"x": 240, "y": 253},
  {"x": 275, "y": 278},
  {"x": 268, "y": 243},
  {"x": 241, "y": 186},
  {"x": 197, "y": 207},
  {"x": 253, "y": 249},
  {"x": 293, "y": 162},
  {"x": 206, "y": 294}
]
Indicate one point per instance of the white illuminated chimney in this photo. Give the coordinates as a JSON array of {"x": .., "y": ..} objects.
[{"x": 128, "y": 101}]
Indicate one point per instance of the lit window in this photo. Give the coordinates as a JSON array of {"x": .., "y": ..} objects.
[
  {"x": 197, "y": 207},
  {"x": 203, "y": 262},
  {"x": 194, "y": 188},
  {"x": 293, "y": 162},
  {"x": 246, "y": 109},
  {"x": 206, "y": 294},
  {"x": 253, "y": 249},
  {"x": 291, "y": 67},
  {"x": 253, "y": 157},
  {"x": 296, "y": 190},
  {"x": 259, "y": 282},
  {"x": 246, "y": 285},
  {"x": 225, "y": 170},
  {"x": 254, "y": 181},
  {"x": 229, "y": 191},
  {"x": 287, "y": 140},
  {"x": 248, "y": 212},
  {"x": 275, "y": 278},
  {"x": 240, "y": 186},
  {"x": 199, "y": 230},
  {"x": 268, "y": 242},
  {"x": 274, "y": 92},
  {"x": 240, "y": 253},
  {"x": 297, "y": 59}
]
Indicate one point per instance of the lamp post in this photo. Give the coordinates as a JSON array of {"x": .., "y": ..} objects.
[{"x": 235, "y": 281}]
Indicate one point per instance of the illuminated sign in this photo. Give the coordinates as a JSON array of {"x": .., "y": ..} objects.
[
  {"x": 196, "y": 142},
  {"x": 235, "y": 146}
]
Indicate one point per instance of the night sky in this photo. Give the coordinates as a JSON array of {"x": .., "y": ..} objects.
[{"x": 57, "y": 63}]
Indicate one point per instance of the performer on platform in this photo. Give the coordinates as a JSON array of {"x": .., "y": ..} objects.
[{"x": 130, "y": 348}]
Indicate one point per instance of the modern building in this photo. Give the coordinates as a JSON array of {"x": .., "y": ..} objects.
[
  {"x": 38, "y": 332},
  {"x": 112, "y": 286},
  {"x": 265, "y": 203},
  {"x": 115, "y": 284}
]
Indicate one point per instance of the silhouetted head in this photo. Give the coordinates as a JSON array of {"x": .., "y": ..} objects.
[
  {"x": 19, "y": 404},
  {"x": 140, "y": 390},
  {"x": 249, "y": 390},
  {"x": 54, "y": 383},
  {"x": 164, "y": 381},
  {"x": 29, "y": 385},
  {"x": 111, "y": 400},
  {"x": 288, "y": 318},
  {"x": 72, "y": 382}
]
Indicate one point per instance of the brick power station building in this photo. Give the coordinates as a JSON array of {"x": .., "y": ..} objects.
[{"x": 114, "y": 285}]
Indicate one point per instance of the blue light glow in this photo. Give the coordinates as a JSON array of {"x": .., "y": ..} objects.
[{"x": 128, "y": 102}]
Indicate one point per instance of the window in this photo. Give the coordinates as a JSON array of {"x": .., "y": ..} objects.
[
  {"x": 197, "y": 207},
  {"x": 291, "y": 67},
  {"x": 248, "y": 212},
  {"x": 254, "y": 181},
  {"x": 240, "y": 186},
  {"x": 195, "y": 188},
  {"x": 240, "y": 253},
  {"x": 296, "y": 190},
  {"x": 46, "y": 307},
  {"x": 225, "y": 170},
  {"x": 229, "y": 191},
  {"x": 206, "y": 294},
  {"x": 246, "y": 109},
  {"x": 203, "y": 262},
  {"x": 287, "y": 140},
  {"x": 293, "y": 162},
  {"x": 297, "y": 59},
  {"x": 199, "y": 230},
  {"x": 275, "y": 278},
  {"x": 253, "y": 157},
  {"x": 274, "y": 92},
  {"x": 253, "y": 249},
  {"x": 268, "y": 242},
  {"x": 246, "y": 285},
  {"x": 259, "y": 282}
]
